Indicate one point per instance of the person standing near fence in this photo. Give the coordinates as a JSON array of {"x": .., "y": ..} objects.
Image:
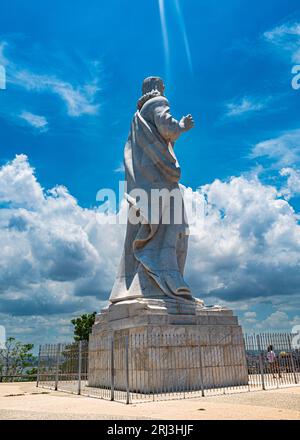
[{"x": 272, "y": 362}]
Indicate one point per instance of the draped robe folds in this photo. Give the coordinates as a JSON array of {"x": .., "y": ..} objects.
[{"x": 154, "y": 254}]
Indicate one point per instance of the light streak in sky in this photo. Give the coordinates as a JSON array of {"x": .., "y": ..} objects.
[
  {"x": 162, "y": 13},
  {"x": 163, "y": 21},
  {"x": 184, "y": 34}
]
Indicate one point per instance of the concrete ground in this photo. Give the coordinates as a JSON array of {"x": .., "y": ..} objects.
[{"x": 25, "y": 401}]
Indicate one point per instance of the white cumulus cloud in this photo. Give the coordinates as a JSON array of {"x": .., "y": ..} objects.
[
  {"x": 54, "y": 252},
  {"x": 292, "y": 186},
  {"x": 57, "y": 259},
  {"x": 278, "y": 321},
  {"x": 248, "y": 245},
  {"x": 283, "y": 150}
]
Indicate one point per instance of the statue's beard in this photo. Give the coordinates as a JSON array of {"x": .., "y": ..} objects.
[{"x": 149, "y": 95}]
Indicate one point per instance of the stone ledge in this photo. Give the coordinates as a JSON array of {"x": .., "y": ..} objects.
[{"x": 133, "y": 313}]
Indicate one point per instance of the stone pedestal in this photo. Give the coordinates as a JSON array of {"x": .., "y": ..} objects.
[{"x": 166, "y": 346}]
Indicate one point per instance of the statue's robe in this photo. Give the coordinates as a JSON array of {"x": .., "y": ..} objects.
[{"x": 154, "y": 253}]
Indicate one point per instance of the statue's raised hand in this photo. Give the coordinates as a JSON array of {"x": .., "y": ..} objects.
[{"x": 186, "y": 123}]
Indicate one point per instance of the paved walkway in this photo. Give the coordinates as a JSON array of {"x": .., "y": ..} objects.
[{"x": 25, "y": 401}]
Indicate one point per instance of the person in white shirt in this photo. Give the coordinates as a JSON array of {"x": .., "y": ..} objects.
[{"x": 273, "y": 365}]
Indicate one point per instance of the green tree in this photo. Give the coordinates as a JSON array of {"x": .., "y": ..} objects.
[
  {"x": 16, "y": 357},
  {"x": 83, "y": 326},
  {"x": 31, "y": 373}
]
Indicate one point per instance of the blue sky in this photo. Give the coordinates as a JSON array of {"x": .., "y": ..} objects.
[{"x": 74, "y": 73}]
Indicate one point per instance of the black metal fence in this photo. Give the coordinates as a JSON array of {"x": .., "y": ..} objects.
[{"x": 121, "y": 374}]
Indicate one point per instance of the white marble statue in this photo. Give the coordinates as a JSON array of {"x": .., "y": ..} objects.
[
  {"x": 155, "y": 251},
  {"x": 170, "y": 334}
]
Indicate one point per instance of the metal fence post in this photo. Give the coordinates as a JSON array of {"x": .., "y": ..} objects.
[
  {"x": 201, "y": 370},
  {"x": 39, "y": 366},
  {"x": 57, "y": 367},
  {"x": 292, "y": 359},
  {"x": 79, "y": 366},
  {"x": 127, "y": 369},
  {"x": 261, "y": 364},
  {"x": 112, "y": 369}
]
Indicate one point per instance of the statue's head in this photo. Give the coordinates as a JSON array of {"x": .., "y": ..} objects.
[
  {"x": 153, "y": 83},
  {"x": 153, "y": 86}
]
